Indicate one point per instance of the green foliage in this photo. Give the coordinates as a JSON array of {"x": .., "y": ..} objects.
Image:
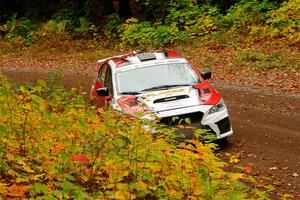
[
  {"x": 86, "y": 27},
  {"x": 66, "y": 14},
  {"x": 265, "y": 19},
  {"x": 18, "y": 29},
  {"x": 161, "y": 23},
  {"x": 63, "y": 25},
  {"x": 195, "y": 19},
  {"x": 52, "y": 28},
  {"x": 263, "y": 61},
  {"x": 53, "y": 146},
  {"x": 111, "y": 28},
  {"x": 146, "y": 35},
  {"x": 245, "y": 14},
  {"x": 285, "y": 21}
]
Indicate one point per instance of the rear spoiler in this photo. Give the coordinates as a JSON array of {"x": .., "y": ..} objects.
[
  {"x": 119, "y": 56},
  {"x": 99, "y": 62},
  {"x": 104, "y": 59}
]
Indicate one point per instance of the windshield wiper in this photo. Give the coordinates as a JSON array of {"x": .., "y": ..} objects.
[
  {"x": 164, "y": 87},
  {"x": 131, "y": 93}
]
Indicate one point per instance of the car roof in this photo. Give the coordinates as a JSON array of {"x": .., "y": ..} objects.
[{"x": 139, "y": 57}]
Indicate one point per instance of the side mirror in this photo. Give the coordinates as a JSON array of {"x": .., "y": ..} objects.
[
  {"x": 206, "y": 74},
  {"x": 102, "y": 92}
]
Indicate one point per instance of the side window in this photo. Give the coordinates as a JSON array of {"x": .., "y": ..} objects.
[
  {"x": 102, "y": 73},
  {"x": 108, "y": 81}
]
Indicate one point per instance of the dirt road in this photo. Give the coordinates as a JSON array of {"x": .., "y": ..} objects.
[{"x": 266, "y": 128}]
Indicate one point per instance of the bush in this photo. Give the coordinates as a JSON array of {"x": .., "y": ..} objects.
[
  {"x": 285, "y": 21},
  {"x": 18, "y": 29},
  {"x": 111, "y": 28},
  {"x": 172, "y": 22},
  {"x": 53, "y": 146},
  {"x": 52, "y": 28},
  {"x": 63, "y": 25},
  {"x": 263, "y": 61},
  {"x": 69, "y": 26},
  {"x": 146, "y": 35},
  {"x": 195, "y": 19},
  {"x": 244, "y": 14}
]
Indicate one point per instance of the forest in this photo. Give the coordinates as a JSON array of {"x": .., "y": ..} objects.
[{"x": 148, "y": 23}]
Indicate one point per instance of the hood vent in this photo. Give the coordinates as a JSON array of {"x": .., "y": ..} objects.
[
  {"x": 146, "y": 56},
  {"x": 173, "y": 98}
]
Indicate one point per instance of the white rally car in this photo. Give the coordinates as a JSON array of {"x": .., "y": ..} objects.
[{"x": 160, "y": 83}]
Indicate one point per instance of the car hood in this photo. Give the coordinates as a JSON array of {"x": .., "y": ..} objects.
[{"x": 171, "y": 99}]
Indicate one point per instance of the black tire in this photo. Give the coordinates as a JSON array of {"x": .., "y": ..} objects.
[{"x": 223, "y": 142}]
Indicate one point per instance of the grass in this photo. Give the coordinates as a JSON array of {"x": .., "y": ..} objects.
[{"x": 267, "y": 61}]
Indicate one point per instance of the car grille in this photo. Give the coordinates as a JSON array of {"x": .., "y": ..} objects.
[
  {"x": 224, "y": 125},
  {"x": 195, "y": 119},
  {"x": 188, "y": 131}
]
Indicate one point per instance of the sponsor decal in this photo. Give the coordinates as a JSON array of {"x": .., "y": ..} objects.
[
  {"x": 172, "y": 91},
  {"x": 164, "y": 92}
]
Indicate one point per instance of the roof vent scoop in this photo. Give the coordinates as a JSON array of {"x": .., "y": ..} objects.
[{"x": 146, "y": 56}]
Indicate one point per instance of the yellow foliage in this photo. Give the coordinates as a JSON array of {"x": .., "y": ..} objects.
[{"x": 61, "y": 148}]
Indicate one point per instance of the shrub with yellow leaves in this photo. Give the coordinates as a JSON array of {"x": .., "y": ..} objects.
[{"x": 54, "y": 146}]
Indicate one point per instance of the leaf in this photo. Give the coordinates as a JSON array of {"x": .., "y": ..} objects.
[
  {"x": 273, "y": 168},
  {"x": 10, "y": 157},
  {"x": 27, "y": 106},
  {"x": 174, "y": 118},
  {"x": 22, "y": 180},
  {"x": 269, "y": 187},
  {"x": 24, "y": 90},
  {"x": 37, "y": 177},
  {"x": 57, "y": 148},
  {"x": 64, "y": 155},
  {"x": 68, "y": 186},
  {"x": 17, "y": 190},
  {"x": 39, "y": 188},
  {"x": 24, "y": 166},
  {"x": 12, "y": 172},
  {"x": 237, "y": 176},
  {"x": 41, "y": 82},
  {"x": 143, "y": 184},
  {"x": 187, "y": 120},
  {"x": 295, "y": 174},
  {"x": 27, "y": 169},
  {"x": 3, "y": 130},
  {"x": 80, "y": 158},
  {"x": 248, "y": 169},
  {"x": 233, "y": 158}
]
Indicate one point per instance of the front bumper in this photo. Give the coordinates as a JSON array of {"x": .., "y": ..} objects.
[{"x": 217, "y": 123}]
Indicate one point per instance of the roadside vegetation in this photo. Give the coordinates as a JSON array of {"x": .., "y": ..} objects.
[
  {"x": 172, "y": 22},
  {"x": 54, "y": 146}
]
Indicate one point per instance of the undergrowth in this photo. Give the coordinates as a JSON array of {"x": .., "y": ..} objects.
[
  {"x": 183, "y": 21},
  {"x": 54, "y": 146},
  {"x": 263, "y": 61}
]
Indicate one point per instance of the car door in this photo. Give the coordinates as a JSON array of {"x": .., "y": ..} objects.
[
  {"x": 108, "y": 83},
  {"x": 103, "y": 80},
  {"x": 98, "y": 83}
]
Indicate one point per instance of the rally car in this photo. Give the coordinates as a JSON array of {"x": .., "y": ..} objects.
[{"x": 163, "y": 84}]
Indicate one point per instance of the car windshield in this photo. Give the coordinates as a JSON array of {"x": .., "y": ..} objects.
[{"x": 156, "y": 77}]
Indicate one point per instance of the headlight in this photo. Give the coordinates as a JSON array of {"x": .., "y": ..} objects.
[{"x": 218, "y": 107}]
